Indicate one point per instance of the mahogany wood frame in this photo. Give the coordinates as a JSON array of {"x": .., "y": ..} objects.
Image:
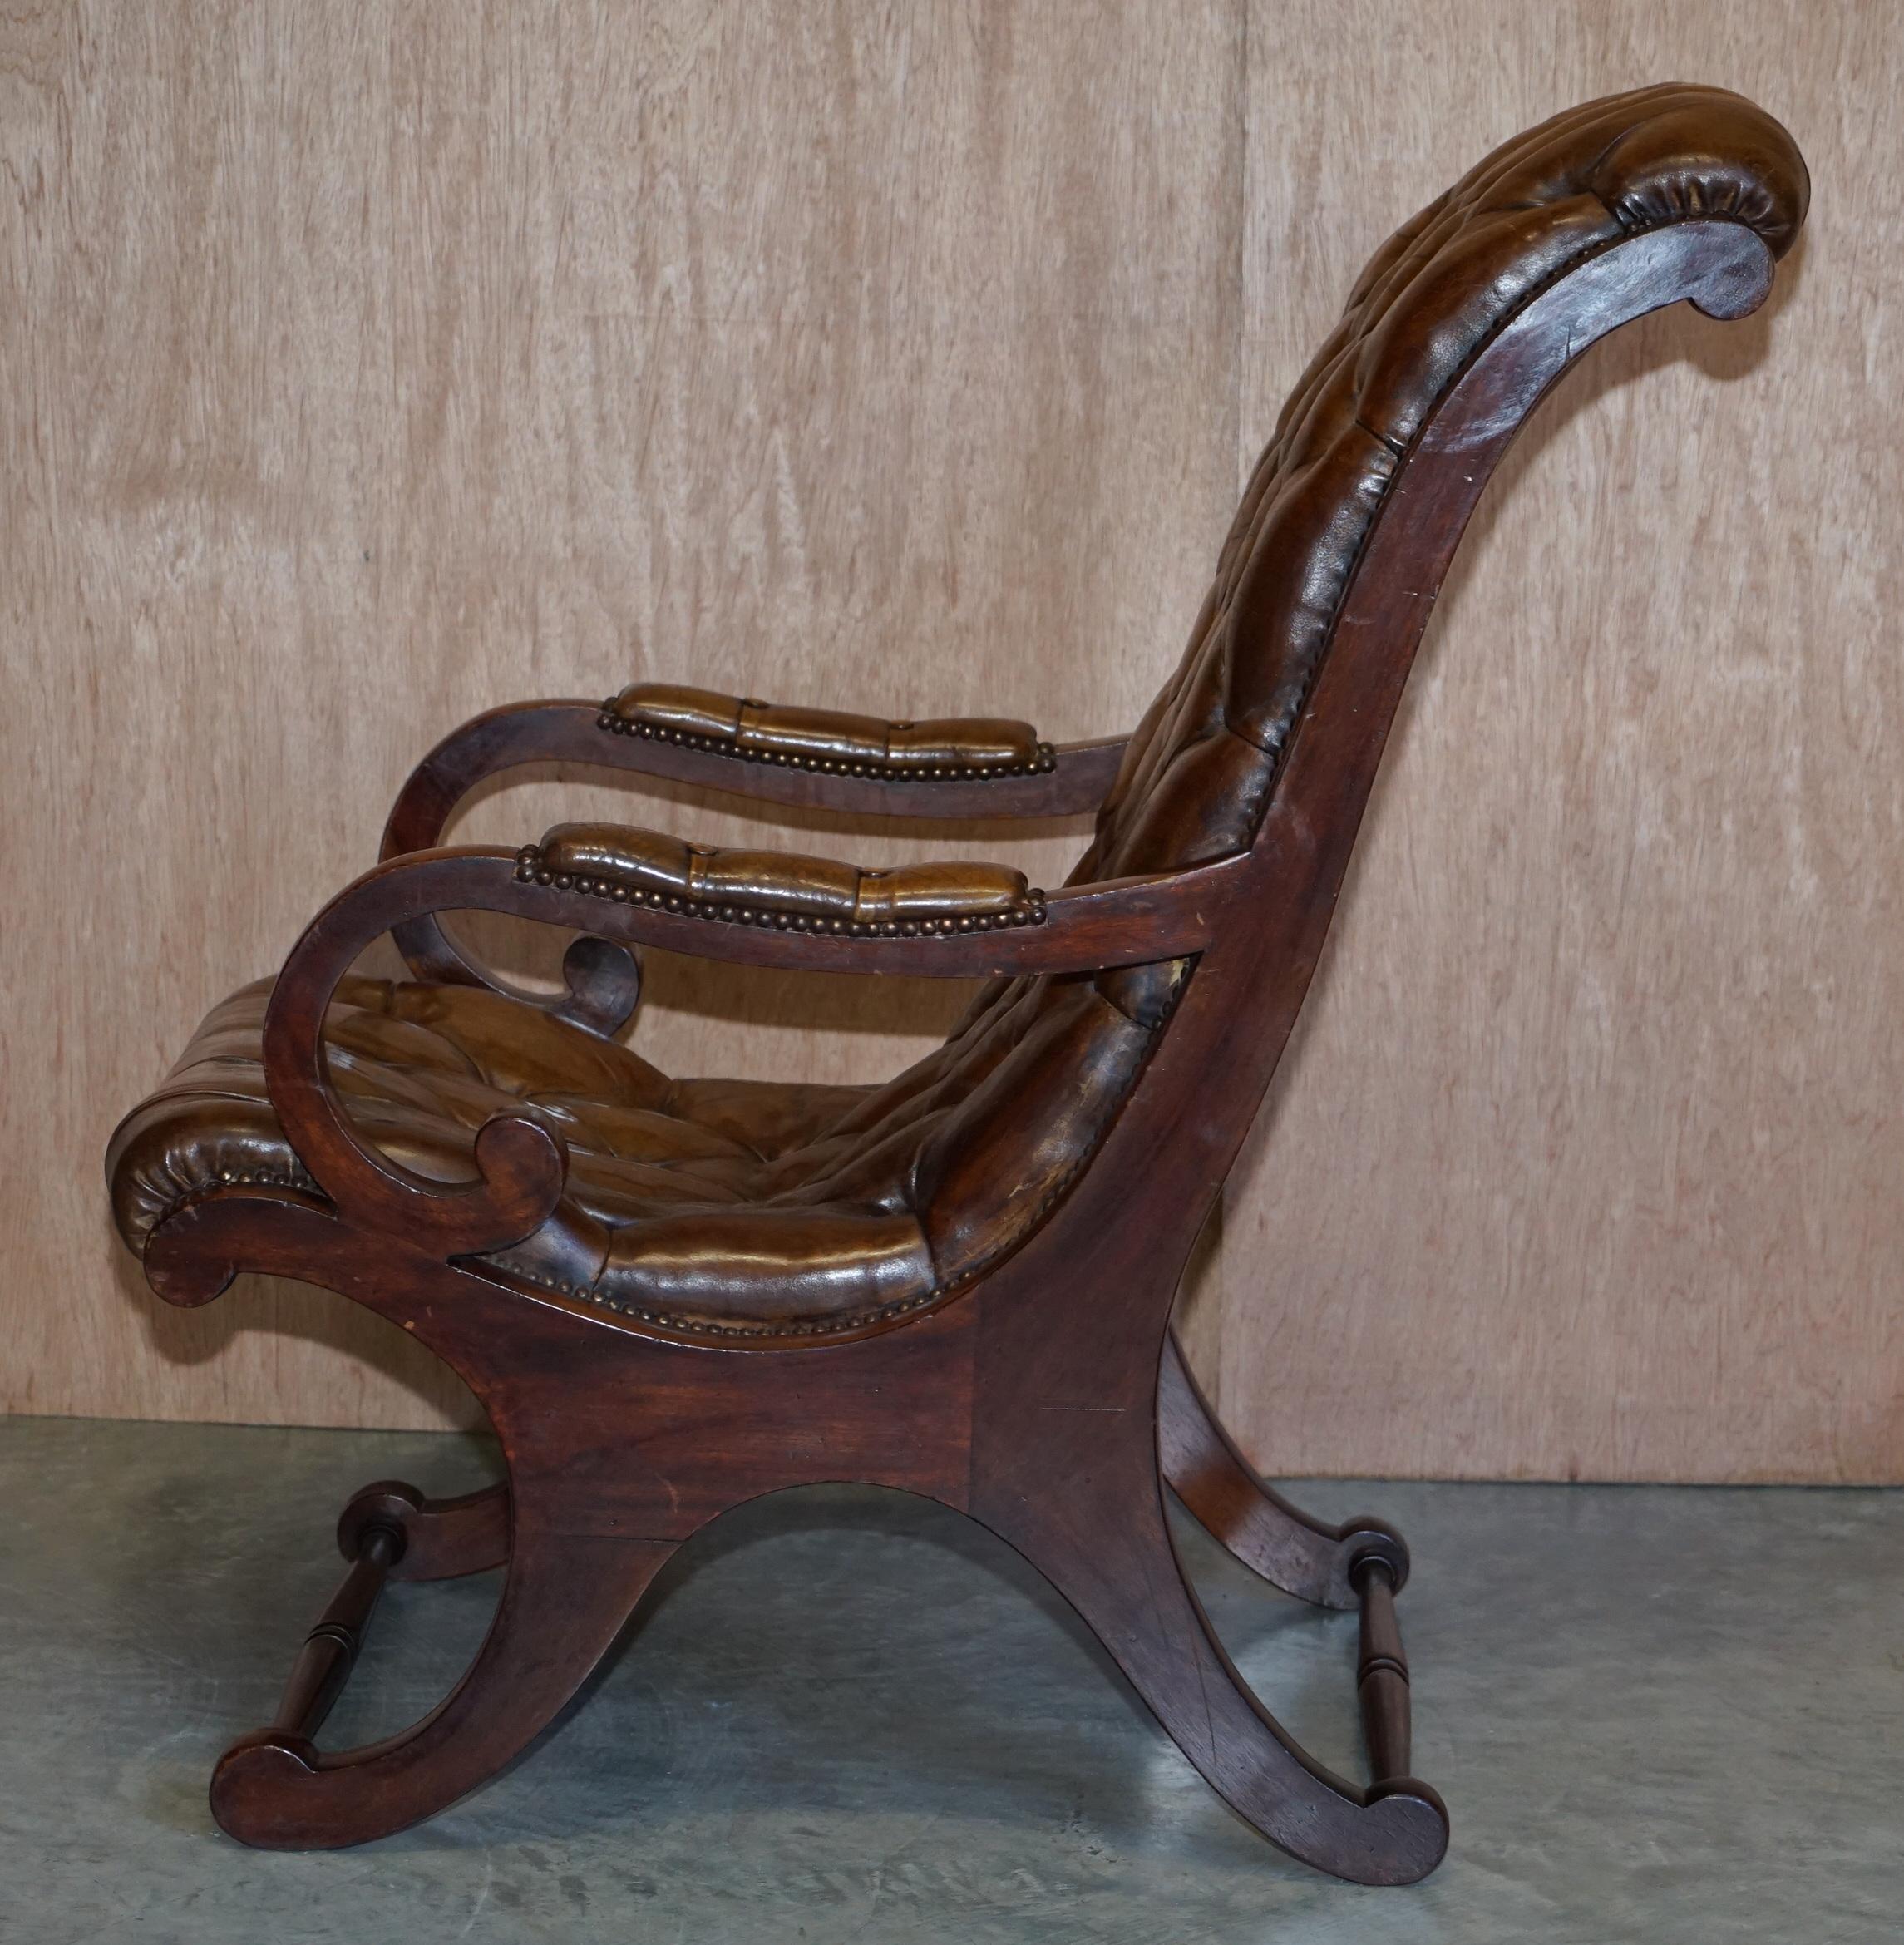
[{"x": 1056, "y": 1365}]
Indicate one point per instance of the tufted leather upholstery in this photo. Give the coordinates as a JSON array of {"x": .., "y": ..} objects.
[
  {"x": 722, "y": 1206},
  {"x": 783, "y": 884},
  {"x": 727, "y": 1206},
  {"x": 1197, "y": 773},
  {"x": 827, "y": 739}
]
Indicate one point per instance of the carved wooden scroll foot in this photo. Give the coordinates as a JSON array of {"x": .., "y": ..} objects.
[{"x": 566, "y": 1600}]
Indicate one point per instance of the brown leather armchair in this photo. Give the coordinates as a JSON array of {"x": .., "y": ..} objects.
[{"x": 672, "y": 1294}]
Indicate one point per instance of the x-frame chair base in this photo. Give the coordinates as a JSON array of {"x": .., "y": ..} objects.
[{"x": 620, "y": 1446}]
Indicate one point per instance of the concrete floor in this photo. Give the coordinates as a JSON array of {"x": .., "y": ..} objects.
[{"x": 1660, "y": 1715}]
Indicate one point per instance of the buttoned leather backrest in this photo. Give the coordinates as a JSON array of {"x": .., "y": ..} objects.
[
  {"x": 1198, "y": 773},
  {"x": 1032, "y": 1079}
]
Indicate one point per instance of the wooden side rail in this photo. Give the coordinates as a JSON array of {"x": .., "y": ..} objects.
[
  {"x": 1382, "y": 1673},
  {"x": 336, "y": 1639},
  {"x": 388, "y": 1532}
]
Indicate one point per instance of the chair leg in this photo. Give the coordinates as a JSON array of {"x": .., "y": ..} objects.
[
  {"x": 566, "y": 1598},
  {"x": 1080, "y": 1495},
  {"x": 1291, "y": 1549}
]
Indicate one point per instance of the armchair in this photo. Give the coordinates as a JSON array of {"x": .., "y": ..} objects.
[{"x": 670, "y": 1295}]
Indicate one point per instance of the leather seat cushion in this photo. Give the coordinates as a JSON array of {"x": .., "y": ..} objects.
[
  {"x": 421, "y": 1067},
  {"x": 711, "y": 1206}
]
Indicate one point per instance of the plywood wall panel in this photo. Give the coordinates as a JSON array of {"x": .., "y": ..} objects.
[
  {"x": 1587, "y": 1159},
  {"x": 367, "y": 365}
]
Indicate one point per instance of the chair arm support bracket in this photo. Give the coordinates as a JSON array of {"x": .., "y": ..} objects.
[{"x": 521, "y": 1161}]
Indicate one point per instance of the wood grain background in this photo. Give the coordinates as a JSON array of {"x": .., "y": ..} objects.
[{"x": 365, "y": 366}]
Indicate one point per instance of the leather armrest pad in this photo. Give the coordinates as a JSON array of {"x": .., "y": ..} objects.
[
  {"x": 827, "y": 739},
  {"x": 652, "y": 867}
]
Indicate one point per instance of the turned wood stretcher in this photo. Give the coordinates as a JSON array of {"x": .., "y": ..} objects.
[{"x": 672, "y": 1296}]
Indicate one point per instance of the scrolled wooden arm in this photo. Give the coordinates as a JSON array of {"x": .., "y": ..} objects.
[
  {"x": 520, "y": 1158},
  {"x": 569, "y": 731}
]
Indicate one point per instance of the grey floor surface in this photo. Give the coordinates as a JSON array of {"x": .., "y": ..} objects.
[{"x": 1667, "y": 1715}]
